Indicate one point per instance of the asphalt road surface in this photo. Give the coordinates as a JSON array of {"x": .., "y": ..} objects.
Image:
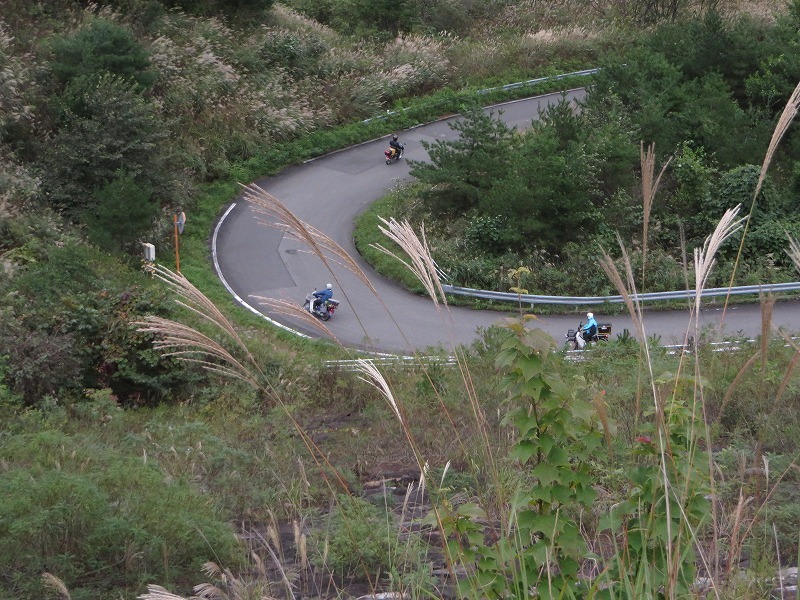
[{"x": 255, "y": 260}]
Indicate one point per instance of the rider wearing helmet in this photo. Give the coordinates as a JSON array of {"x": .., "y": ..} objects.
[
  {"x": 395, "y": 145},
  {"x": 322, "y": 295},
  {"x": 590, "y": 329}
]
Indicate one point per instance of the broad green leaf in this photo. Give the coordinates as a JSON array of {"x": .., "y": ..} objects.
[
  {"x": 543, "y": 493},
  {"x": 540, "y": 551},
  {"x": 580, "y": 409},
  {"x": 546, "y": 442},
  {"x": 472, "y": 510},
  {"x": 585, "y": 494},
  {"x": 545, "y": 473},
  {"x": 523, "y": 451},
  {"x": 532, "y": 388},
  {"x": 561, "y": 493},
  {"x": 538, "y": 340},
  {"x": 558, "y": 456},
  {"x": 529, "y": 366},
  {"x": 526, "y": 519}
]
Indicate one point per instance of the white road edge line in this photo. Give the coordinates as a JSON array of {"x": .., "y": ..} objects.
[{"x": 236, "y": 296}]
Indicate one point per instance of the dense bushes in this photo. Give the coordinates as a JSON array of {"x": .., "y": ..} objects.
[
  {"x": 69, "y": 326},
  {"x": 99, "y": 519}
]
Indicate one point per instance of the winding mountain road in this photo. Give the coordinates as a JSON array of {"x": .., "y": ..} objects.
[{"x": 253, "y": 259}]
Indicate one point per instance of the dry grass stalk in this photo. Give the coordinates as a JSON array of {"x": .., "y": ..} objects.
[
  {"x": 790, "y": 367},
  {"x": 704, "y": 262},
  {"x": 54, "y": 583},
  {"x": 601, "y": 407},
  {"x": 794, "y": 252},
  {"x": 275, "y": 214},
  {"x": 422, "y": 264},
  {"x": 736, "y": 540},
  {"x": 628, "y": 293},
  {"x": 767, "y": 304},
  {"x": 156, "y": 592},
  {"x": 786, "y": 118},
  {"x": 735, "y": 383},
  {"x": 189, "y": 345},
  {"x": 292, "y": 309},
  {"x": 649, "y": 188},
  {"x": 198, "y": 303},
  {"x": 705, "y": 258}
]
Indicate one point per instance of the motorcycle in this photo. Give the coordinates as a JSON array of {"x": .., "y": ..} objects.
[
  {"x": 576, "y": 340},
  {"x": 323, "y": 310},
  {"x": 393, "y": 155}
]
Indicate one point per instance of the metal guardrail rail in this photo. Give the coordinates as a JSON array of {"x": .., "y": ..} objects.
[
  {"x": 646, "y": 297},
  {"x": 509, "y": 86}
]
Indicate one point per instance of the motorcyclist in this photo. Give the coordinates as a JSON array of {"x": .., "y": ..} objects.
[
  {"x": 396, "y": 146},
  {"x": 321, "y": 296},
  {"x": 589, "y": 330}
]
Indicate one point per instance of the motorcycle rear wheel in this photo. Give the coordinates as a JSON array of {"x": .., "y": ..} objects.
[
  {"x": 388, "y": 161},
  {"x": 324, "y": 315}
]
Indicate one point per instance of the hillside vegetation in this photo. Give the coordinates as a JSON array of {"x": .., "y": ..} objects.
[{"x": 145, "y": 447}]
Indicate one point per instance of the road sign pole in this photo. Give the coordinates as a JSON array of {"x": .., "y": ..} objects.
[{"x": 177, "y": 251}]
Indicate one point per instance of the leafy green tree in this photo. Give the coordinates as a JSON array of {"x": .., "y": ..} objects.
[
  {"x": 213, "y": 7},
  {"x": 462, "y": 170},
  {"x": 122, "y": 212},
  {"x": 101, "y": 48},
  {"x": 543, "y": 196},
  {"x": 116, "y": 130},
  {"x": 694, "y": 176},
  {"x": 712, "y": 44}
]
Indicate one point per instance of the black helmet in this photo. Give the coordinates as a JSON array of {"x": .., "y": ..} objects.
[{"x": 394, "y": 137}]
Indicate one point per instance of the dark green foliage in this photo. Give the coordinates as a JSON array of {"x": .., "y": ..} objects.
[
  {"x": 362, "y": 17},
  {"x": 71, "y": 325},
  {"x": 115, "y": 130},
  {"x": 544, "y": 196},
  {"x": 462, "y": 170},
  {"x": 213, "y": 7},
  {"x": 99, "y": 519},
  {"x": 38, "y": 363},
  {"x": 123, "y": 211},
  {"x": 710, "y": 44},
  {"x": 99, "y": 49}
]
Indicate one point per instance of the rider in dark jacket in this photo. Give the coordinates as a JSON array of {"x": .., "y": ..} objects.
[{"x": 395, "y": 145}]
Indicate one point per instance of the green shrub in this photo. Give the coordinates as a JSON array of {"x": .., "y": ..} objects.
[
  {"x": 101, "y": 48},
  {"x": 108, "y": 128},
  {"x": 78, "y": 511},
  {"x": 123, "y": 212},
  {"x": 360, "y": 541},
  {"x": 79, "y": 304}
]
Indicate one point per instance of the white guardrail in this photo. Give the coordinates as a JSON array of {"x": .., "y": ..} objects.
[
  {"x": 533, "y": 299},
  {"x": 509, "y": 86}
]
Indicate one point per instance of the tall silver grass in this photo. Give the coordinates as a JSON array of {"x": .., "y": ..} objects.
[{"x": 650, "y": 185}]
